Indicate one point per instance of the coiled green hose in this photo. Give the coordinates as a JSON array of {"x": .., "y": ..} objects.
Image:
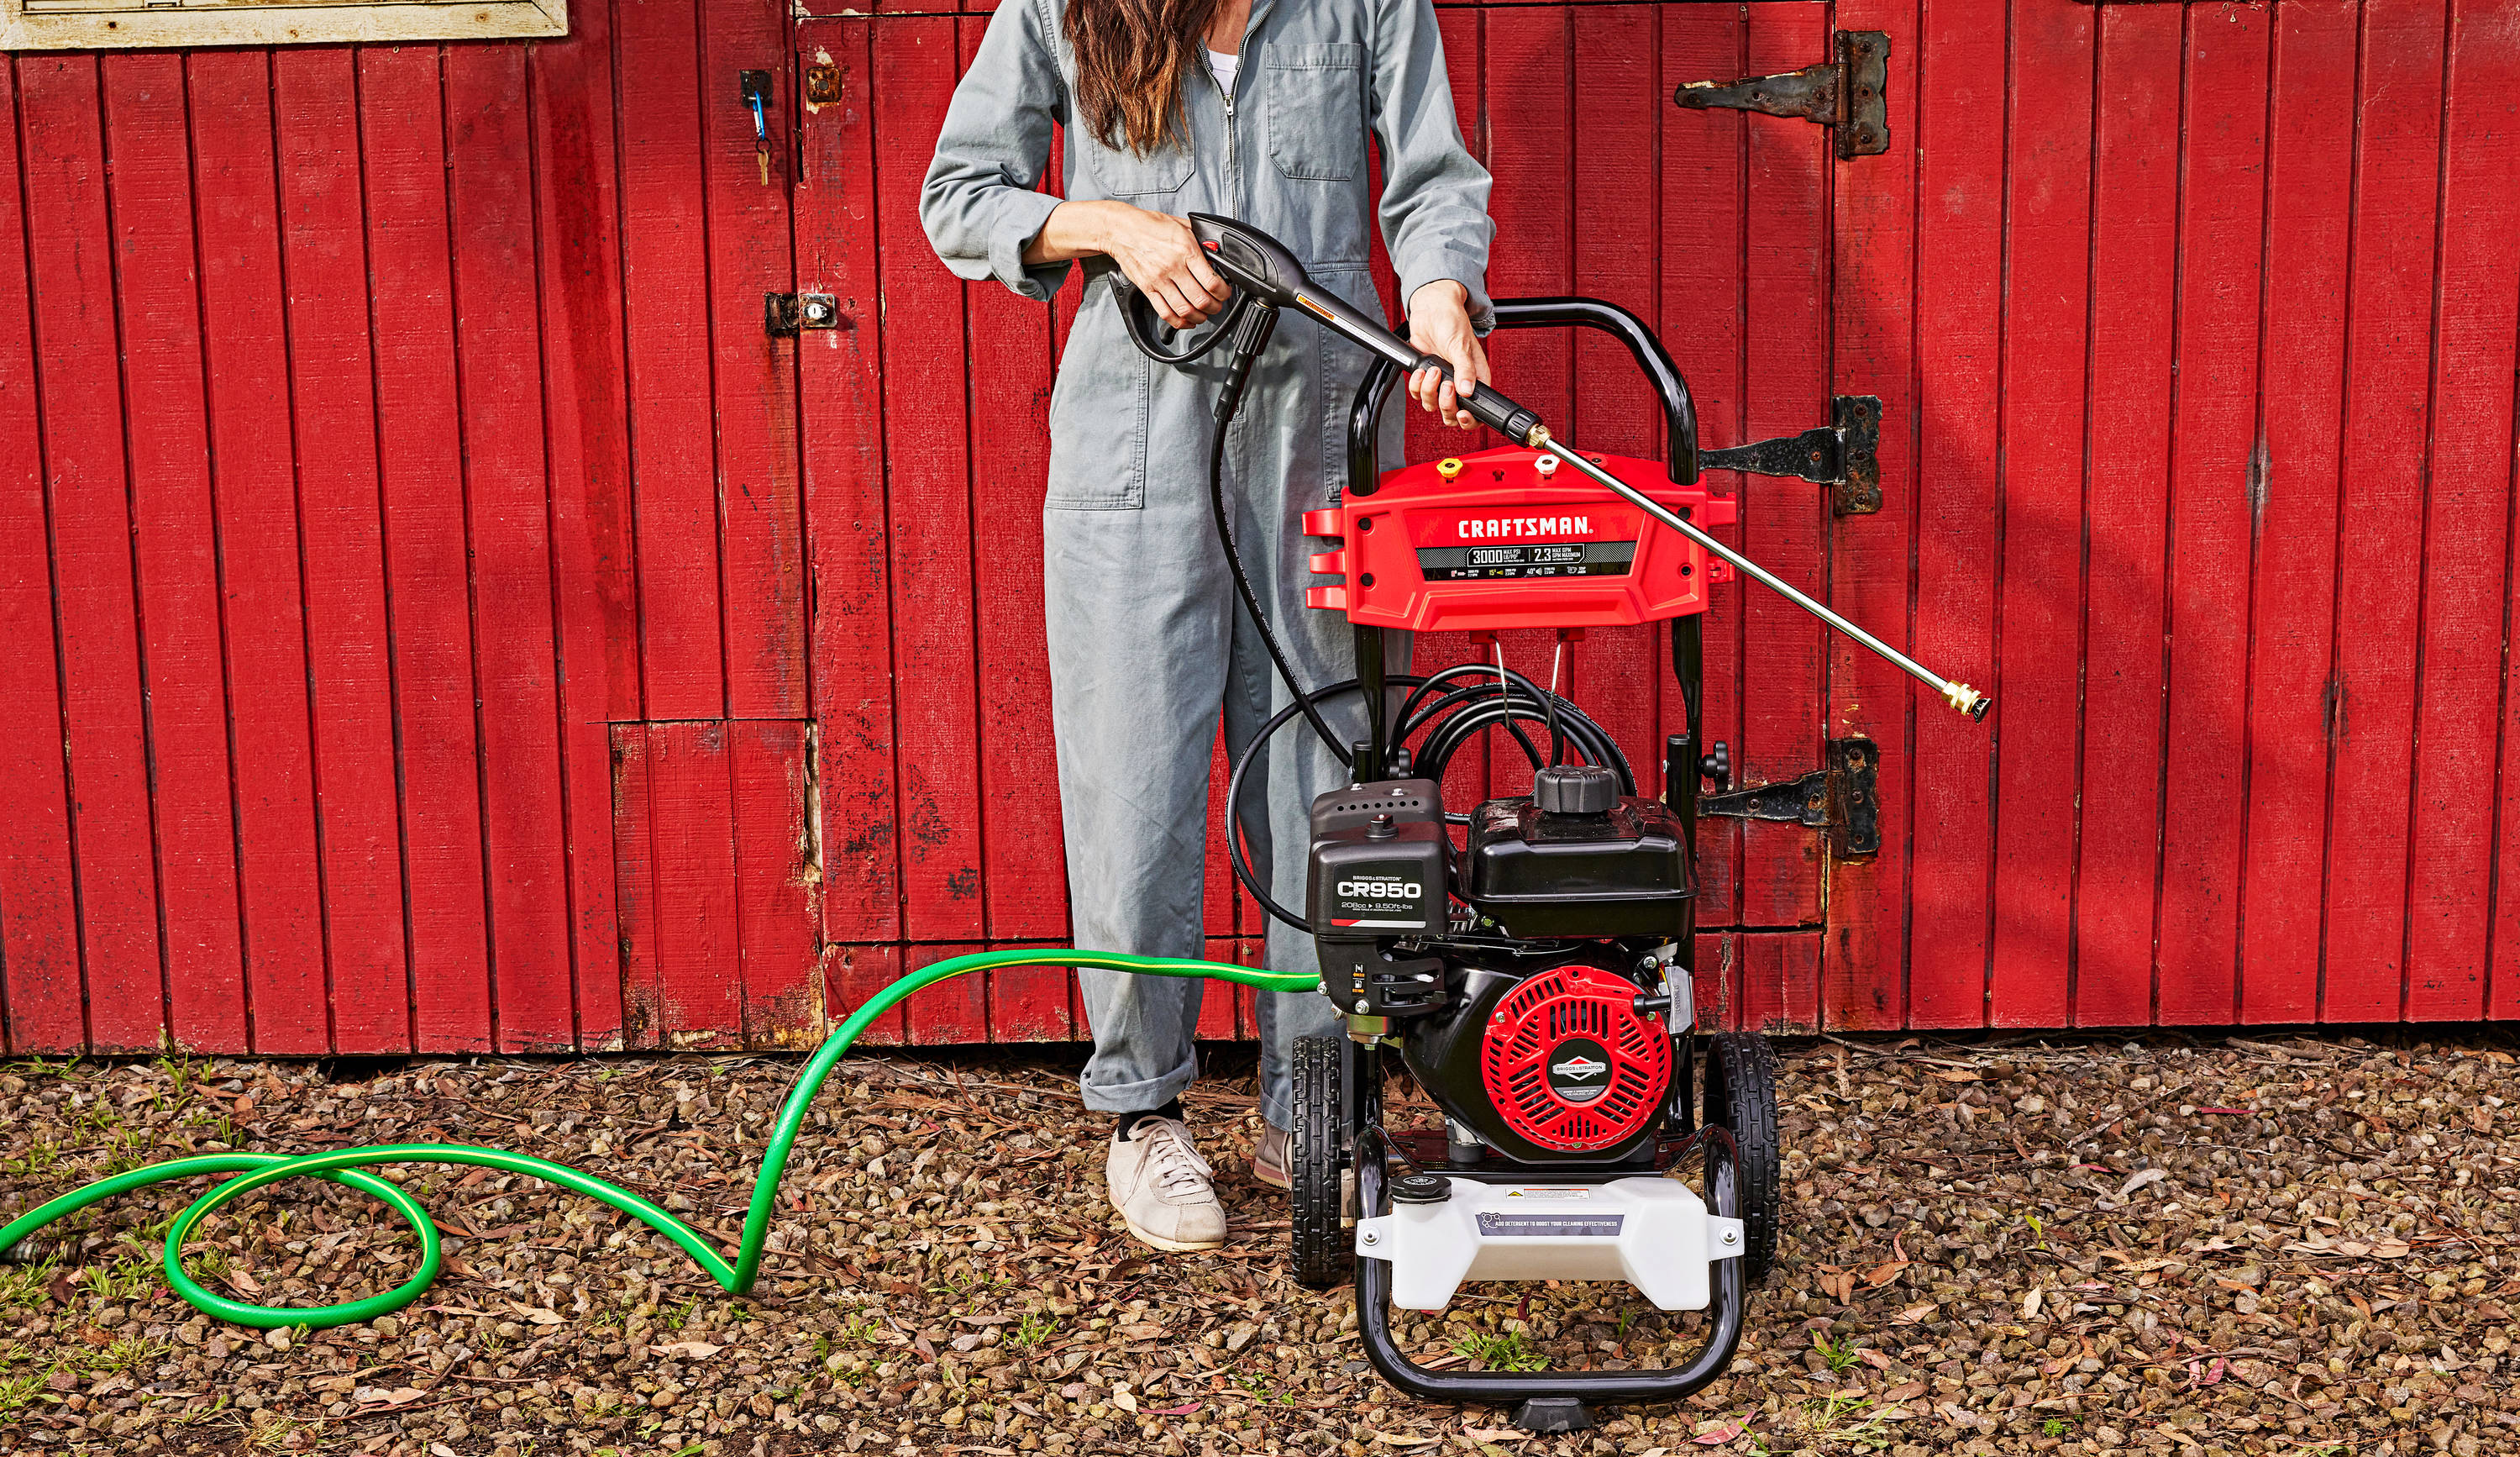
[{"x": 345, "y": 1165}]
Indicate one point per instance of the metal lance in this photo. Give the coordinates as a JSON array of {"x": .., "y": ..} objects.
[{"x": 1953, "y": 691}]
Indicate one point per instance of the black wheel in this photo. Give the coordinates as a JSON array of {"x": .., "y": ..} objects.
[
  {"x": 1742, "y": 1095},
  {"x": 1323, "y": 1255}
]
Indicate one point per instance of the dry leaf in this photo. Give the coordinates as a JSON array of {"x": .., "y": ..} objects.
[
  {"x": 2030, "y": 1302},
  {"x": 686, "y": 1350},
  {"x": 1913, "y": 1313},
  {"x": 1885, "y": 1272},
  {"x": 378, "y": 1398},
  {"x": 2141, "y": 1177},
  {"x": 1182, "y": 1410},
  {"x": 1123, "y": 1398},
  {"x": 1397, "y": 1440},
  {"x": 1716, "y": 1433},
  {"x": 541, "y": 1315},
  {"x": 1958, "y": 1074},
  {"x": 1872, "y": 1358}
]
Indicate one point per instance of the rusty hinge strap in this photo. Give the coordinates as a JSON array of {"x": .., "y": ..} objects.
[
  {"x": 1843, "y": 797},
  {"x": 1845, "y": 454},
  {"x": 1844, "y": 94}
]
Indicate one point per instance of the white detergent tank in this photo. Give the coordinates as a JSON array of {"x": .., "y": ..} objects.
[{"x": 1653, "y": 1233}]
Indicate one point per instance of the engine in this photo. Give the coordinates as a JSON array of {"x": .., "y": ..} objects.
[{"x": 1517, "y": 971}]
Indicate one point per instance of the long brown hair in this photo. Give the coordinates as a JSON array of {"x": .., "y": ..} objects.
[{"x": 1131, "y": 56}]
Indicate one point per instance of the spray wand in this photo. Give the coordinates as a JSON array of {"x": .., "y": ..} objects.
[{"x": 1268, "y": 274}]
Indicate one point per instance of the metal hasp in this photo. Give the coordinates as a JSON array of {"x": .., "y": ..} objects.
[
  {"x": 1845, "y": 454},
  {"x": 784, "y": 315},
  {"x": 1843, "y": 796},
  {"x": 1843, "y": 95}
]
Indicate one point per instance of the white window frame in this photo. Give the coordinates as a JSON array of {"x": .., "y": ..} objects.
[{"x": 115, "y": 24}]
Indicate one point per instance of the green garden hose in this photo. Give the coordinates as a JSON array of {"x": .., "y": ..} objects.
[{"x": 345, "y": 1165}]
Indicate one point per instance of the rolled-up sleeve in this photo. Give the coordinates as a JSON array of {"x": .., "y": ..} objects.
[
  {"x": 1434, "y": 192},
  {"x": 978, "y": 204}
]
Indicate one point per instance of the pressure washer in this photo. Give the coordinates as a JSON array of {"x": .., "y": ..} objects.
[{"x": 1532, "y": 976}]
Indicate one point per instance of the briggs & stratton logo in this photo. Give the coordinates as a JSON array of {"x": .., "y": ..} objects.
[{"x": 1580, "y": 1068}]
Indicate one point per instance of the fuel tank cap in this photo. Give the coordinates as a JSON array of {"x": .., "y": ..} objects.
[{"x": 1575, "y": 789}]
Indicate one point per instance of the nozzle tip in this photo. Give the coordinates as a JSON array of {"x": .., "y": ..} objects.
[{"x": 1967, "y": 700}]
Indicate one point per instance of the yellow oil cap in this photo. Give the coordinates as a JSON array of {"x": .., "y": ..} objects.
[{"x": 1449, "y": 467}]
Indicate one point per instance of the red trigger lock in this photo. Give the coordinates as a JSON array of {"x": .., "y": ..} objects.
[{"x": 1210, "y": 245}]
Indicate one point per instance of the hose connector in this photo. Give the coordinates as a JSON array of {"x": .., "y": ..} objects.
[{"x": 1967, "y": 700}]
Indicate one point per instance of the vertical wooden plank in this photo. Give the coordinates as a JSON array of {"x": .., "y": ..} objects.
[
  {"x": 2047, "y": 301},
  {"x": 174, "y": 547},
  {"x": 1032, "y": 1004},
  {"x": 245, "y": 333},
  {"x": 1618, "y": 674},
  {"x": 1702, "y": 322},
  {"x": 1223, "y": 904},
  {"x": 587, "y": 448},
  {"x": 1010, "y": 368},
  {"x": 1218, "y": 1004},
  {"x": 776, "y": 878},
  {"x": 2309, "y": 183},
  {"x": 950, "y": 1011},
  {"x": 751, "y": 253},
  {"x": 38, "y": 913},
  {"x": 2467, "y": 521},
  {"x": 1960, "y": 299},
  {"x": 1872, "y": 315},
  {"x": 632, "y": 802},
  {"x": 2135, "y": 232},
  {"x": 498, "y": 332},
  {"x": 331, "y": 382},
  {"x": 664, "y": 247},
  {"x": 427, "y": 555},
  {"x": 926, "y": 449},
  {"x": 855, "y": 974},
  {"x": 1782, "y": 521},
  {"x": 839, "y": 371},
  {"x": 85, "y": 468},
  {"x": 1525, "y": 76},
  {"x": 2220, "y": 240},
  {"x": 2387, "y": 429},
  {"x": 698, "y": 989}
]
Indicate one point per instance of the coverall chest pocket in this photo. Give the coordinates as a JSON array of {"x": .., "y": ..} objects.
[
  {"x": 1317, "y": 110},
  {"x": 1124, "y": 173}
]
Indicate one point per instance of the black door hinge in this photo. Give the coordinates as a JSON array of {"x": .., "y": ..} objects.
[
  {"x": 784, "y": 315},
  {"x": 1842, "y": 799},
  {"x": 1843, "y": 95},
  {"x": 1844, "y": 454}
]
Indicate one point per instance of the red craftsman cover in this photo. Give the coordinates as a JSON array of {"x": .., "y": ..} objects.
[{"x": 1515, "y": 538}]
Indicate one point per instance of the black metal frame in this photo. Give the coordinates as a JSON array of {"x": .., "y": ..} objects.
[{"x": 1367, "y": 1143}]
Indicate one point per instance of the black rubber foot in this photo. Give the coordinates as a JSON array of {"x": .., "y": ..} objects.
[{"x": 1552, "y": 1414}]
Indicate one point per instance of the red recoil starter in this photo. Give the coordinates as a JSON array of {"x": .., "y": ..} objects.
[{"x": 1569, "y": 1061}]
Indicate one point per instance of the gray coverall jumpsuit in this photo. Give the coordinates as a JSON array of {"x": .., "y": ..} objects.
[{"x": 1147, "y": 640}]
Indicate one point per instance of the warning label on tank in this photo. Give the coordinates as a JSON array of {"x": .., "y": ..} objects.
[
  {"x": 1384, "y": 895},
  {"x": 1567, "y": 1222}
]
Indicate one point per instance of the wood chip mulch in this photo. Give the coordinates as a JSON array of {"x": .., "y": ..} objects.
[{"x": 2077, "y": 1245}]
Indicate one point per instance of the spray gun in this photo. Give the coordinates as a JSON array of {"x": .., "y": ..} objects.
[{"x": 1269, "y": 278}]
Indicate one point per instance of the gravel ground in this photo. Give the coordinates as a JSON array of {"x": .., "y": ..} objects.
[{"x": 2284, "y": 1247}]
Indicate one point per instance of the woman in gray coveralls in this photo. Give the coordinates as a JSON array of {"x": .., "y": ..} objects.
[{"x": 1258, "y": 110}]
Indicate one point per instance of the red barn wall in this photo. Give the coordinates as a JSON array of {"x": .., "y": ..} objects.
[{"x": 436, "y": 615}]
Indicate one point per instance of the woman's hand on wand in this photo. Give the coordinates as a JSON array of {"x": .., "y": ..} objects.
[
  {"x": 1155, "y": 250},
  {"x": 1439, "y": 324}
]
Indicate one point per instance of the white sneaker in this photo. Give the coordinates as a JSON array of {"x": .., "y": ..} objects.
[{"x": 1161, "y": 1186}]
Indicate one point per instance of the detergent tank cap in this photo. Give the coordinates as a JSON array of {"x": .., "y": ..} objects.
[
  {"x": 1575, "y": 789},
  {"x": 1420, "y": 1188},
  {"x": 1450, "y": 467}
]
